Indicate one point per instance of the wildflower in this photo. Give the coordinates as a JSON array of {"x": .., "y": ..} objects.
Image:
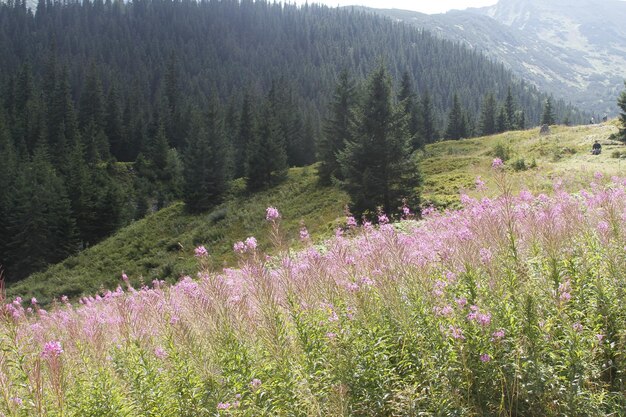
[
  {"x": 52, "y": 349},
  {"x": 565, "y": 296},
  {"x": 461, "y": 302},
  {"x": 603, "y": 227},
  {"x": 124, "y": 277},
  {"x": 331, "y": 335},
  {"x": 239, "y": 247},
  {"x": 498, "y": 334},
  {"x": 160, "y": 353},
  {"x": 484, "y": 358},
  {"x": 304, "y": 234},
  {"x": 406, "y": 211},
  {"x": 351, "y": 221},
  {"x": 223, "y": 406},
  {"x": 251, "y": 243},
  {"x": 456, "y": 333},
  {"x": 598, "y": 175},
  {"x": 17, "y": 401},
  {"x": 33, "y": 301},
  {"x": 497, "y": 163},
  {"x": 201, "y": 252},
  {"x": 577, "y": 327},
  {"x": 272, "y": 214},
  {"x": 483, "y": 319},
  {"x": 480, "y": 184},
  {"x": 600, "y": 337},
  {"x": 383, "y": 219},
  {"x": 255, "y": 383},
  {"x": 485, "y": 255}
]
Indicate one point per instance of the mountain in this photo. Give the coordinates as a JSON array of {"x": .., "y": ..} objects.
[{"x": 573, "y": 49}]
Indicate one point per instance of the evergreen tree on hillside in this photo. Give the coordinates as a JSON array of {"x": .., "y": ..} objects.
[
  {"x": 510, "y": 108},
  {"x": 502, "y": 120},
  {"x": 378, "y": 166},
  {"x": 621, "y": 102},
  {"x": 520, "y": 120},
  {"x": 410, "y": 104},
  {"x": 41, "y": 221},
  {"x": 91, "y": 105},
  {"x": 206, "y": 163},
  {"x": 427, "y": 121},
  {"x": 8, "y": 171},
  {"x": 487, "y": 123},
  {"x": 113, "y": 125},
  {"x": 246, "y": 136},
  {"x": 337, "y": 129},
  {"x": 547, "y": 117},
  {"x": 456, "y": 127}
]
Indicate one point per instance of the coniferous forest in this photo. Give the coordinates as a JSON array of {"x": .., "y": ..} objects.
[{"x": 111, "y": 110}]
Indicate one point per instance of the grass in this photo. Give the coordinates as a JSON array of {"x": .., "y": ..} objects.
[{"x": 158, "y": 246}]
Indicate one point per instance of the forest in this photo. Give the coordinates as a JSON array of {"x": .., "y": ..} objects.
[{"x": 112, "y": 110}]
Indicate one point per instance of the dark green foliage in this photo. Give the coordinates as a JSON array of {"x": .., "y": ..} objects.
[
  {"x": 457, "y": 123},
  {"x": 246, "y": 137},
  {"x": 502, "y": 123},
  {"x": 510, "y": 109},
  {"x": 206, "y": 165},
  {"x": 40, "y": 221},
  {"x": 410, "y": 104},
  {"x": 621, "y": 102},
  {"x": 378, "y": 167},
  {"x": 487, "y": 124},
  {"x": 520, "y": 120},
  {"x": 427, "y": 121},
  {"x": 547, "y": 117},
  {"x": 338, "y": 129}
]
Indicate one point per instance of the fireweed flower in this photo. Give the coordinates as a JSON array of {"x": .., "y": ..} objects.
[
  {"x": 272, "y": 214},
  {"x": 160, "y": 353},
  {"x": 485, "y": 358},
  {"x": 304, "y": 234},
  {"x": 255, "y": 383},
  {"x": 239, "y": 247},
  {"x": 201, "y": 252},
  {"x": 351, "y": 221},
  {"x": 51, "y": 350},
  {"x": 480, "y": 184},
  {"x": 577, "y": 327},
  {"x": 498, "y": 334},
  {"x": 251, "y": 243},
  {"x": 497, "y": 163},
  {"x": 223, "y": 406}
]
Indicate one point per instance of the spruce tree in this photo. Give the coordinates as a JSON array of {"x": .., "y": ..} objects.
[
  {"x": 547, "y": 117},
  {"x": 487, "y": 124},
  {"x": 501, "y": 120},
  {"x": 337, "y": 130},
  {"x": 410, "y": 104},
  {"x": 378, "y": 166},
  {"x": 246, "y": 136},
  {"x": 520, "y": 120},
  {"x": 509, "y": 105},
  {"x": 427, "y": 121},
  {"x": 621, "y": 102},
  {"x": 205, "y": 168},
  {"x": 456, "y": 127},
  {"x": 8, "y": 172},
  {"x": 113, "y": 125}
]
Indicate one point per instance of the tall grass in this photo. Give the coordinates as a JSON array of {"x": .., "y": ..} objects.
[{"x": 512, "y": 306}]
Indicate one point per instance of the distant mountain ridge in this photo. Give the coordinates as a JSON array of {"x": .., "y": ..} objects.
[{"x": 575, "y": 49}]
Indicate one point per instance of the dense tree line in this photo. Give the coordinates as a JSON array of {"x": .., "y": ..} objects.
[
  {"x": 109, "y": 110},
  {"x": 621, "y": 102}
]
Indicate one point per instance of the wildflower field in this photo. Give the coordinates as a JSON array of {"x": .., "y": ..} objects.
[{"x": 510, "y": 306}]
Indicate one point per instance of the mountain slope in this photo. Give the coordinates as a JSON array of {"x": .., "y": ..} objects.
[
  {"x": 159, "y": 247},
  {"x": 574, "y": 49}
]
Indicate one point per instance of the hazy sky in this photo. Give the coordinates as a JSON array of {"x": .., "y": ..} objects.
[{"x": 424, "y": 6}]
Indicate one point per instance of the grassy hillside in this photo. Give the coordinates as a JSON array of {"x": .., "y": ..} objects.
[{"x": 159, "y": 246}]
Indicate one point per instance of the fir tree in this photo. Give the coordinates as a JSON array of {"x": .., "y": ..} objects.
[
  {"x": 456, "y": 127},
  {"x": 337, "y": 130},
  {"x": 520, "y": 119},
  {"x": 510, "y": 108},
  {"x": 621, "y": 102},
  {"x": 487, "y": 124},
  {"x": 410, "y": 104},
  {"x": 246, "y": 137},
  {"x": 205, "y": 169},
  {"x": 547, "y": 116},
  {"x": 427, "y": 121},
  {"x": 378, "y": 166},
  {"x": 501, "y": 120}
]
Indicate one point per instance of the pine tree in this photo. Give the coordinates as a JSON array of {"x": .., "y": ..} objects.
[
  {"x": 205, "y": 169},
  {"x": 410, "y": 104},
  {"x": 246, "y": 137},
  {"x": 8, "y": 172},
  {"x": 621, "y": 102},
  {"x": 456, "y": 127},
  {"x": 501, "y": 120},
  {"x": 337, "y": 130},
  {"x": 378, "y": 166},
  {"x": 547, "y": 117},
  {"x": 91, "y": 106},
  {"x": 510, "y": 108},
  {"x": 487, "y": 124},
  {"x": 113, "y": 125},
  {"x": 520, "y": 120},
  {"x": 427, "y": 121}
]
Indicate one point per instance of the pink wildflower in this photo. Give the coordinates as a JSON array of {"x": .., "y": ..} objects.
[
  {"x": 577, "y": 327},
  {"x": 498, "y": 334},
  {"x": 52, "y": 349},
  {"x": 201, "y": 252},
  {"x": 484, "y": 358},
  {"x": 239, "y": 247},
  {"x": 461, "y": 302},
  {"x": 272, "y": 214},
  {"x": 124, "y": 277},
  {"x": 251, "y": 243},
  {"x": 351, "y": 221},
  {"x": 456, "y": 333},
  {"x": 304, "y": 234},
  {"x": 383, "y": 219},
  {"x": 603, "y": 227},
  {"x": 497, "y": 163},
  {"x": 223, "y": 406},
  {"x": 33, "y": 301},
  {"x": 331, "y": 335},
  {"x": 255, "y": 383},
  {"x": 160, "y": 353},
  {"x": 480, "y": 184}
]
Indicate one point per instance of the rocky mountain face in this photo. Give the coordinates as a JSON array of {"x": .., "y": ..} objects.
[{"x": 575, "y": 49}]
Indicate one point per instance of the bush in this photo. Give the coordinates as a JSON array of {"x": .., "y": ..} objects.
[
  {"x": 502, "y": 151},
  {"x": 519, "y": 165}
]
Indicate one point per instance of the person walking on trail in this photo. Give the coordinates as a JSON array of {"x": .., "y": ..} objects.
[{"x": 596, "y": 148}]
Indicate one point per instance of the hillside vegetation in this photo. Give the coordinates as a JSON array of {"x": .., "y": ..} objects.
[
  {"x": 511, "y": 305},
  {"x": 159, "y": 247}
]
